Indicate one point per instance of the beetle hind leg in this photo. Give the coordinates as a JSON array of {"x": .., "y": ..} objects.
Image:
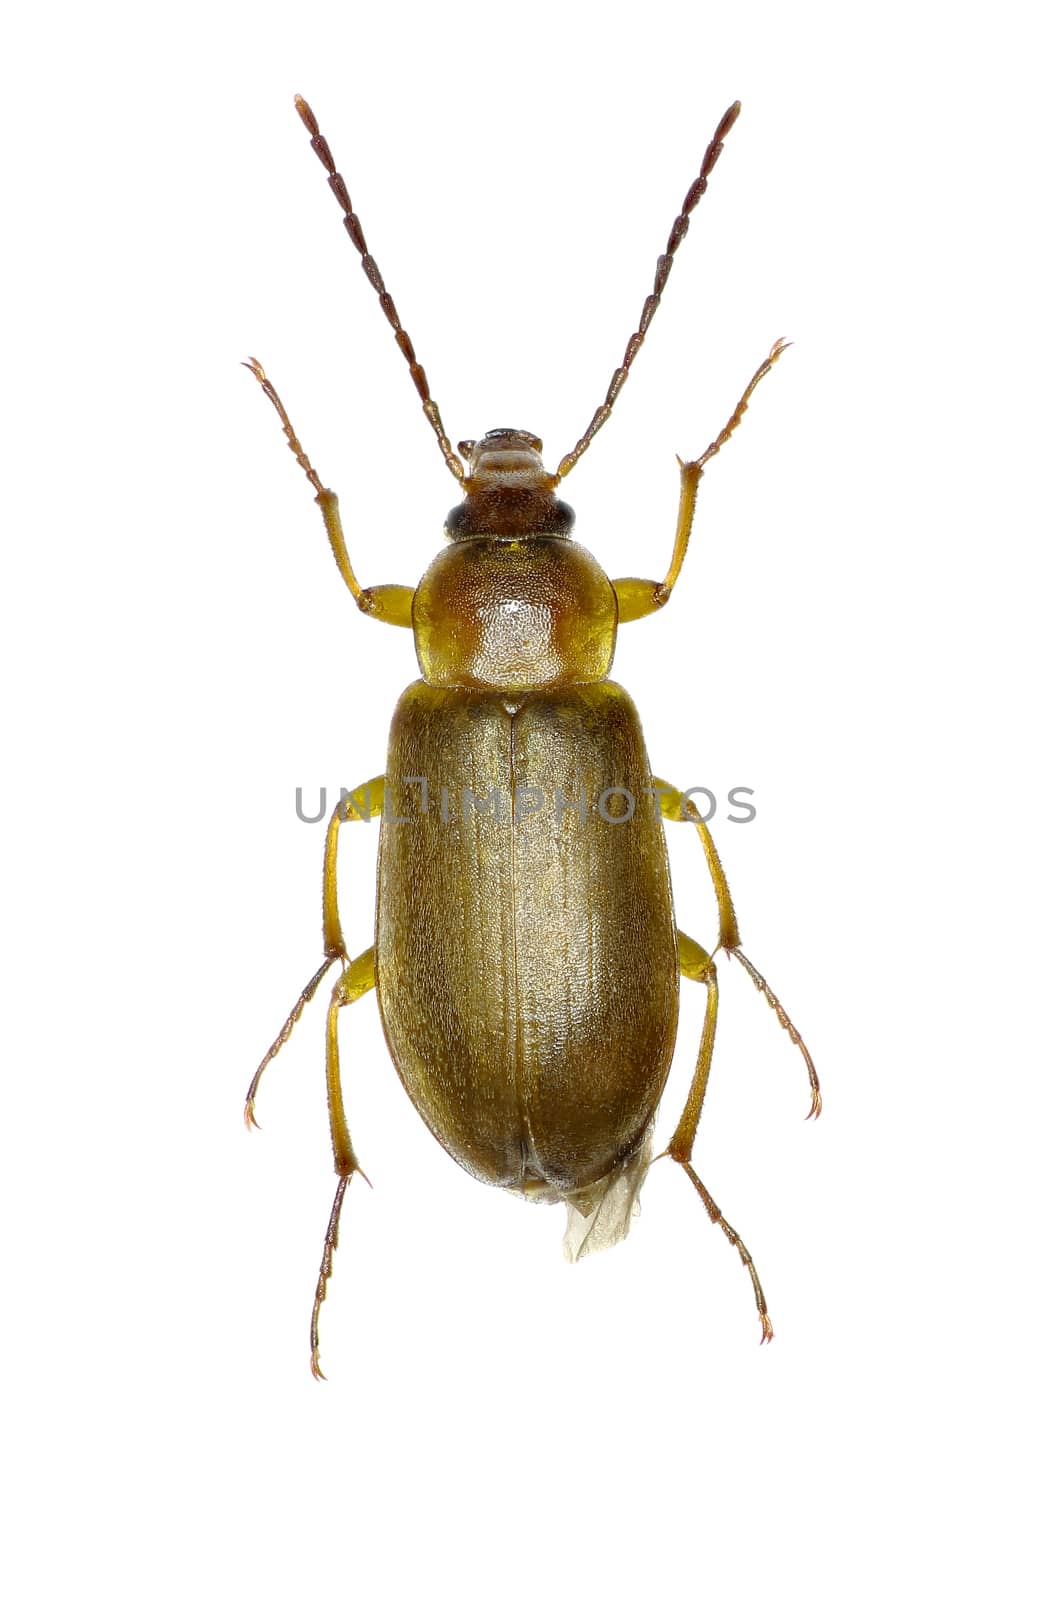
[
  {"x": 714, "y": 1212},
  {"x": 699, "y": 966},
  {"x": 358, "y": 979}
]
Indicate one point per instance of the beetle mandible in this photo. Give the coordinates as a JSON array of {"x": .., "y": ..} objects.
[{"x": 526, "y": 958}]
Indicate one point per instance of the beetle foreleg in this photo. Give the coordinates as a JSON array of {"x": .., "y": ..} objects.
[
  {"x": 386, "y": 602},
  {"x": 362, "y": 803},
  {"x": 640, "y": 597},
  {"x": 357, "y": 980}
]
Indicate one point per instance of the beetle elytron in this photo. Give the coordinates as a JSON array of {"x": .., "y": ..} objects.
[{"x": 526, "y": 958}]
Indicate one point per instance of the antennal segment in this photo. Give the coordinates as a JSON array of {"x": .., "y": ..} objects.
[
  {"x": 663, "y": 272},
  {"x": 353, "y": 227}
]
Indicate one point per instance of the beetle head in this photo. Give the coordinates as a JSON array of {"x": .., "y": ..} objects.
[
  {"x": 506, "y": 456},
  {"x": 509, "y": 493}
]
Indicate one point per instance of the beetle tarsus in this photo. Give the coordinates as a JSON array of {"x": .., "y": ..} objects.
[
  {"x": 737, "y": 416},
  {"x": 294, "y": 443},
  {"x": 789, "y": 1029},
  {"x": 283, "y": 1035},
  {"x": 714, "y": 1212},
  {"x": 326, "y": 1266}
]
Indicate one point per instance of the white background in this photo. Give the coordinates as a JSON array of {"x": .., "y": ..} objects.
[{"x": 854, "y": 638}]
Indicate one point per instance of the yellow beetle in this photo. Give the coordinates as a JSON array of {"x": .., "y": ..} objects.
[{"x": 526, "y": 958}]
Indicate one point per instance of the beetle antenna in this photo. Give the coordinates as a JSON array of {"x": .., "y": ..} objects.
[
  {"x": 663, "y": 272},
  {"x": 353, "y": 227}
]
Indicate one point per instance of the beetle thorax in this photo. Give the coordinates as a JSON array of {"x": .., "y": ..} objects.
[{"x": 518, "y": 614}]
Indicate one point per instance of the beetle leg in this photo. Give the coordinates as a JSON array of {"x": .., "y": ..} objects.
[
  {"x": 640, "y": 597},
  {"x": 698, "y": 965},
  {"x": 361, "y": 804},
  {"x": 785, "y": 1023},
  {"x": 386, "y": 602},
  {"x": 357, "y": 979},
  {"x": 677, "y": 807},
  {"x": 714, "y": 1212}
]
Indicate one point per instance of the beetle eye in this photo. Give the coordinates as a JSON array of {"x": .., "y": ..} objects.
[{"x": 466, "y": 448}]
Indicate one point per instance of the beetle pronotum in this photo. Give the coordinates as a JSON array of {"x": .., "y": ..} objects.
[{"x": 526, "y": 959}]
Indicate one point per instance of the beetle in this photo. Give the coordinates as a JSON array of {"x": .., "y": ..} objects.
[{"x": 526, "y": 959}]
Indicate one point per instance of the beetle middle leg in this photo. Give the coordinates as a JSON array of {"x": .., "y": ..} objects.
[
  {"x": 677, "y": 807},
  {"x": 362, "y": 803},
  {"x": 699, "y": 966}
]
